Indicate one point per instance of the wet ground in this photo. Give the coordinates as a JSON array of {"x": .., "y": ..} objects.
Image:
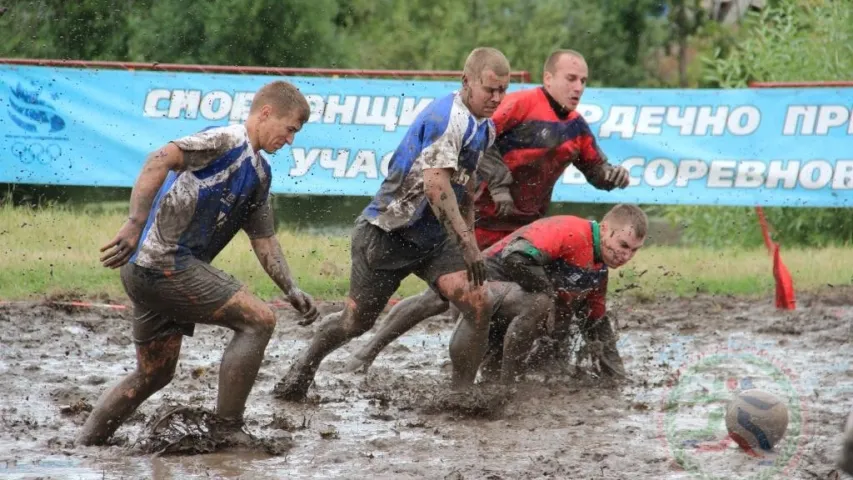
[{"x": 685, "y": 358}]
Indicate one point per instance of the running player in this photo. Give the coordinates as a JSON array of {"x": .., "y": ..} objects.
[
  {"x": 422, "y": 222},
  {"x": 192, "y": 196}
]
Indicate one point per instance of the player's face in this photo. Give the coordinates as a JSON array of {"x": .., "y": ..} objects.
[
  {"x": 276, "y": 132},
  {"x": 568, "y": 81},
  {"x": 486, "y": 93},
  {"x": 619, "y": 245}
]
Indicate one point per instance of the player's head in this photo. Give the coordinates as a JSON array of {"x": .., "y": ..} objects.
[
  {"x": 278, "y": 111},
  {"x": 485, "y": 79},
  {"x": 564, "y": 77},
  {"x": 623, "y": 232}
]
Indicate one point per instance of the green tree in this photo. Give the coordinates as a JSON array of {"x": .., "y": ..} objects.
[{"x": 794, "y": 40}]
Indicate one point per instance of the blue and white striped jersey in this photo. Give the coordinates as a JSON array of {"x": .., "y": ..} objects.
[
  {"x": 444, "y": 135},
  {"x": 223, "y": 188}
]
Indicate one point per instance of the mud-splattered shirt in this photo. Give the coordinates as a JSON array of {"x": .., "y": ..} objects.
[
  {"x": 224, "y": 187},
  {"x": 569, "y": 249},
  {"x": 444, "y": 135}
]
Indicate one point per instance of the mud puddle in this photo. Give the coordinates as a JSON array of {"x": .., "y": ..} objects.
[{"x": 399, "y": 421}]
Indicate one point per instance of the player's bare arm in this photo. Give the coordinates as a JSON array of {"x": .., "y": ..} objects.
[
  {"x": 119, "y": 250},
  {"x": 269, "y": 253},
  {"x": 442, "y": 200}
]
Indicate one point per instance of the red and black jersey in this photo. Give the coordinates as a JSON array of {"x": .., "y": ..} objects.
[
  {"x": 571, "y": 250},
  {"x": 537, "y": 139}
]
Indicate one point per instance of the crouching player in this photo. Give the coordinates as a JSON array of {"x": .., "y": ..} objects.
[{"x": 558, "y": 262}]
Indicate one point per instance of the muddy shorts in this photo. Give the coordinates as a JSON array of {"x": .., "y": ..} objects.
[
  {"x": 172, "y": 302},
  {"x": 381, "y": 260}
]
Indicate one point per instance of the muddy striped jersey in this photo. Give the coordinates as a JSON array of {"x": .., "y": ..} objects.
[
  {"x": 223, "y": 188},
  {"x": 444, "y": 135}
]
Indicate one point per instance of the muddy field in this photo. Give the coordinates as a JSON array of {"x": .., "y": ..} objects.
[{"x": 685, "y": 359}]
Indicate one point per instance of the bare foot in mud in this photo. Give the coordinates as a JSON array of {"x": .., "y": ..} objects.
[{"x": 293, "y": 387}]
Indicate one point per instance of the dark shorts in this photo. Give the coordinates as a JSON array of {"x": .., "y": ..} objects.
[
  {"x": 172, "y": 302},
  {"x": 381, "y": 260}
]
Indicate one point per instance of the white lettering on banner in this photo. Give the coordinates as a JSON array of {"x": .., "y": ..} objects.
[
  {"x": 808, "y": 114},
  {"x": 379, "y": 113},
  {"x": 702, "y": 121},
  {"x": 335, "y": 108},
  {"x": 830, "y": 116},
  {"x": 620, "y": 120},
  {"x": 788, "y": 173},
  {"x": 744, "y": 120},
  {"x": 411, "y": 110},
  {"x": 690, "y": 170},
  {"x": 816, "y": 119},
  {"x": 660, "y": 172},
  {"x": 591, "y": 113},
  {"x": 388, "y": 112},
  {"x": 725, "y": 173},
  {"x": 152, "y": 103},
  {"x": 242, "y": 105},
  {"x": 216, "y": 105},
  {"x": 683, "y": 119},
  {"x": 706, "y": 119},
  {"x": 721, "y": 173},
  {"x": 750, "y": 174},
  {"x": 815, "y": 174},
  {"x": 186, "y": 102},
  {"x": 317, "y": 104},
  {"x": 843, "y": 178},
  {"x": 650, "y": 120},
  {"x": 339, "y": 162}
]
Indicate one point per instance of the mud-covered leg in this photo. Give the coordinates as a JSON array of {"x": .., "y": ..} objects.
[
  {"x": 333, "y": 331},
  {"x": 253, "y": 323},
  {"x": 845, "y": 463},
  {"x": 155, "y": 367},
  {"x": 470, "y": 339},
  {"x": 524, "y": 329},
  {"x": 403, "y": 317}
]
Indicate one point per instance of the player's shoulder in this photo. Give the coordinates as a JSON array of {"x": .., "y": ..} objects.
[
  {"x": 217, "y": 138},
  {"x": 447, "y": 114}
]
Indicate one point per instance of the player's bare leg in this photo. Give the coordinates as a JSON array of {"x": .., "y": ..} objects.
[
  {"x": 333, "y": 331},
  {"x": 469, "y": 342},
  {"x": 529, "y": 323},
  {"x": 253, "y": 323},
  {"x": 403, "y": 317},
  {"x": 155, "y": 367}
]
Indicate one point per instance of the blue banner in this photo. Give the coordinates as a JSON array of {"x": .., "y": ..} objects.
[{"x": 772, "y": 147}]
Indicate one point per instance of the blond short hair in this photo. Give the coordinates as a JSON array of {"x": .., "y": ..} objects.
[
  {"x": 627, "y": 215},
  {"x": 486, "y": 58},
  {"x": 284, "y": 98}
]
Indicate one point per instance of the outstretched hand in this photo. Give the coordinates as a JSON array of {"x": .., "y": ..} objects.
[
  {"x": 304, "y": 304},
  {"x": 121, "y": 247},
  {"x": 617, "y": 176}
]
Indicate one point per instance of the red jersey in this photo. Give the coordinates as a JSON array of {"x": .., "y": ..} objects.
[
  {"x": 537, "y": 139},
  {"x": 572, "y": 248}
]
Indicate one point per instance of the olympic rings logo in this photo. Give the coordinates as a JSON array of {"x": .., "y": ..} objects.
[{"x": 36, "y": 152}]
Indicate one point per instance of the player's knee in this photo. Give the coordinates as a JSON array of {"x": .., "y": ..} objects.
[{"x": 262, "y": 321}]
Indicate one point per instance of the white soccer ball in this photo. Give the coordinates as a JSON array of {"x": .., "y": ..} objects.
[{"x": 756, "y": 419}]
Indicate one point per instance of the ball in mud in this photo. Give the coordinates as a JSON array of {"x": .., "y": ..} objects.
[{"x": 756, "y": 419}]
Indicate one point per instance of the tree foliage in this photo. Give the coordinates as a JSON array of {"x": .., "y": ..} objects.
[{"x": 791, "y": 41}]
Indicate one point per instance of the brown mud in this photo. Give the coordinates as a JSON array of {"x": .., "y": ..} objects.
[{"x": 685, "y": 358}]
